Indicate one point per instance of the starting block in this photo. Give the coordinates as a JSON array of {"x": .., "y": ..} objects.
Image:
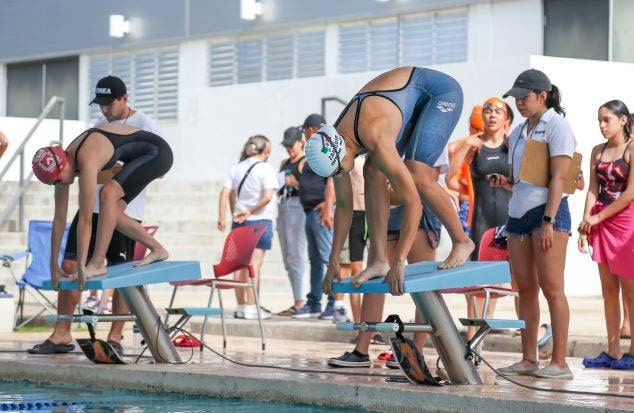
[
  {"x": 130, "y": 281},
  {"x": 425, "y": 282}
]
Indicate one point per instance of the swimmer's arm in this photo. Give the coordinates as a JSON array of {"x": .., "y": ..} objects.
[
  {"x": 343, "y": 215},
  {"x": 459, "y": 151},
  {"x": 387, "y": 160},
  {"x": 59, "y": 223},
  {"x": 87, "y": 194}
]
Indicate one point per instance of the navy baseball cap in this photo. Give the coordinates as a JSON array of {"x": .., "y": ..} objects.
[
  {"x": 108, "y": 89},
  {"x": 314, "y": 120},
  {"x": 292, "y": 135},
  {"x": 527, "y": 81}
]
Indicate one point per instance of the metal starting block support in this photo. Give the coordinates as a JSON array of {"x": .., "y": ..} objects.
[
  {"x": 387, "y": 328},
  {"x": 89, "y": 319}
]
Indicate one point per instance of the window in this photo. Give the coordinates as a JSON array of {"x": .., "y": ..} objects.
[
  {"x": 577, "y": 28},
  {"x": 408, "y": 40},
  {"x": 274, "y": 57},
  {"x": 623, "y": 34},
  {"x": 31, "y": 85},
  {"x": 151, "y": 78}
]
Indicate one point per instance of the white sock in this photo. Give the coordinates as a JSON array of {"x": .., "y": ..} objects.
[
  {"x": 240, "y": 307},
  {"x": 250, "y": 308},
  {"x": 339, "y": 304}
]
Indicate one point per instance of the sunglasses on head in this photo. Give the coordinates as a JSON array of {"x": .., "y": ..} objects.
[{"x": 495, "y": 105}]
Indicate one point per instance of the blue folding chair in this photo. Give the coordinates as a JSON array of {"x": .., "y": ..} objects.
[{"x": 37, "y": 268}]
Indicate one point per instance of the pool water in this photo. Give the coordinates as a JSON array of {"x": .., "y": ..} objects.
[{"x": 42, "y": 397}]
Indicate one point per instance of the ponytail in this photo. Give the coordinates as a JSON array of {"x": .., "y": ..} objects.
[
  {"x": 553, "y": 100},
  {"x": 619, "y": 109},
  {"x": 255, "y": 145}
]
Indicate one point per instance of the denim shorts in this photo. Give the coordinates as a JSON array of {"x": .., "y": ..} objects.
[
  {"x": 532, "y": 220},
  {"x": 429, "y": 222},
  {"x": 267, "y": 239}
]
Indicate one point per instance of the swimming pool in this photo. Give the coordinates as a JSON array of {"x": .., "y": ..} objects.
[{"x": 42, "y": 397}]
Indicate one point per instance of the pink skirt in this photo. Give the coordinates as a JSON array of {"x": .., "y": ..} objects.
[{"x": 612, "y": 241}]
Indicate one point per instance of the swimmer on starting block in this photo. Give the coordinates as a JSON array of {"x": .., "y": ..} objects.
[
  {"x": 145, "y": 156},
  {"x": 403, "y": 120}
]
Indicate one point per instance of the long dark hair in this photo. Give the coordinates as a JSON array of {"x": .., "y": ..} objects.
[
  {"x": 553, "y": 99},
  {"x": 618, "y": 108}
]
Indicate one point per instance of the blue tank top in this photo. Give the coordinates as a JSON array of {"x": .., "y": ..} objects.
[{"x": 311, "y": 188}]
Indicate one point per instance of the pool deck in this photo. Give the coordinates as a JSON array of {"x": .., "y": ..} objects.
[{"x": 208, "y": 374}]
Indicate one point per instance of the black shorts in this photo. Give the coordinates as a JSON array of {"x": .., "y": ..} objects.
[
  {"x": 121, "y": 248},
  {"x": 358, "y": 236}
]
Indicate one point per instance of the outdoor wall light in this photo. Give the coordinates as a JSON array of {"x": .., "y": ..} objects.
[
  {"x": 250, "y": 9},
  {"x": 119, "y": 26}
]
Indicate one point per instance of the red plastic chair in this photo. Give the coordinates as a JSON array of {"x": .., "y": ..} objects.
[
  {"x": 236, "y": 255},
  {"x": 486, "y": 252}
]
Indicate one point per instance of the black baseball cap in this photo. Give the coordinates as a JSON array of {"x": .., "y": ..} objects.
[
  {"x": 108, "y": 89},
  {"x": 314, "y": 120},
  {"x": 527, "y": 81},
  {"x": 292, "y": 135}
]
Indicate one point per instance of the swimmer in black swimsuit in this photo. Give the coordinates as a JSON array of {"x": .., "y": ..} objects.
[{"x": 145, "y": 157}]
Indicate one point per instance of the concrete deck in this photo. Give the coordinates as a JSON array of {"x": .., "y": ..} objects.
[{"x": 210, "y": 375}]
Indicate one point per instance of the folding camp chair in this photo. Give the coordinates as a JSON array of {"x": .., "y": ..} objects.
[{"x": 37, "y": 268}]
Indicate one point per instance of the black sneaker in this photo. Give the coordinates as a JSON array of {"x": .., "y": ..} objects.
[{"x": 350, "y": 360}]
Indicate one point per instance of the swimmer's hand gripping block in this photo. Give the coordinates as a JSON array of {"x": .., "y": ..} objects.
[
  {"x": 425, "y": 276},
  {"x": 125, "y": 275}
]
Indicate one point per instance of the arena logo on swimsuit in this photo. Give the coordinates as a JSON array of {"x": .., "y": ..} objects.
[{"x": 445, "y": 106}]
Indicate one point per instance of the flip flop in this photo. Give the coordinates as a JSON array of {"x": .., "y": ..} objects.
[
  {"x": 386, "y": 355},
  {"x": 183, "y": 340},
  {"x": 48, "y": 347}
]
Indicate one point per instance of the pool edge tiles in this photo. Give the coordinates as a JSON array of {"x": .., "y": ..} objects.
[{"x": 315, "y": 389}]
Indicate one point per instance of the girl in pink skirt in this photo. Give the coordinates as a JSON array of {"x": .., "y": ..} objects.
[{"x": 608, "y": 226}]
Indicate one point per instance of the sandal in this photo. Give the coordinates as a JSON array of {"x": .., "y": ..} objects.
[
  {"x": 602, "y": 361},
  {"x": 289, "y": 311},
  {"x": 48, "y": 347},
  {"x": 183, "y": 340},
  {"x": 625, "y": 363}
]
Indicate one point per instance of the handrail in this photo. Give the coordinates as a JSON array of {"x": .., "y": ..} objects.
[
  {"x": 327, "y": 99},
  {"x": 19, "y": 153}
]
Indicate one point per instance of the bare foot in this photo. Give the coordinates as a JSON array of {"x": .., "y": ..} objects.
[
  {"x": 93, "y": 270},
  {"x": 459, "y": 254},
  {"x": 154, "y": 256},
  {"x": 373, "y": 271}
]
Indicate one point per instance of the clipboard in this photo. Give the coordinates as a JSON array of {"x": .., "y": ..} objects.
[{"x": 536, "y": 166}]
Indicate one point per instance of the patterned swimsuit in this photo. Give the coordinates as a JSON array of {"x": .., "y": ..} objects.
[{"x": 612, "y": 178}]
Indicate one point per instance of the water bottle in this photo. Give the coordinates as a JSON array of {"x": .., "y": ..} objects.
[
  {"x": 137, "y": 338},
  {"x": 7, "y": 309}
]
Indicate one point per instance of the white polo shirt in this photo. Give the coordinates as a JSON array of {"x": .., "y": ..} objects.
[
  {"x": 553, "y": 129},
  {"x": 136, "y": 207}
]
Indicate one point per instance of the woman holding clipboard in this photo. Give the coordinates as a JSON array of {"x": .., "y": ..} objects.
[{"x": 539, "y": 220}]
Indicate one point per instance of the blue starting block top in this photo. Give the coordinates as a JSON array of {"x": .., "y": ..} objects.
[
  {"x": 425, "y": 276},
  {"x": 125, "y": 275}
]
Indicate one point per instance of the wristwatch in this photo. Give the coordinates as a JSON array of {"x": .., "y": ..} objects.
[{"x": 548, "y": 219}]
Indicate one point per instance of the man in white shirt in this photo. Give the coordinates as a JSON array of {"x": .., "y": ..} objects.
[{"x": 111, "y": 96}]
